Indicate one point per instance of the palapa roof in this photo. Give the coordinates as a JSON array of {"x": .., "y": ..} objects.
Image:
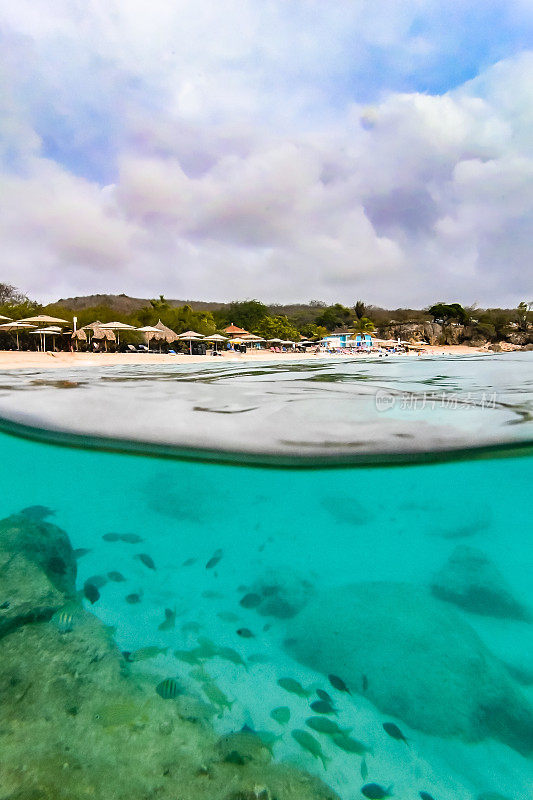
[
  {"x": 234, "y": 330},
  {"x": 166, "y": 333},
  {"x": 98, "y": 332}
]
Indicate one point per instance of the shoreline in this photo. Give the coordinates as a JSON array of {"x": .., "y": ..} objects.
[{"x": 14, "y": 359}]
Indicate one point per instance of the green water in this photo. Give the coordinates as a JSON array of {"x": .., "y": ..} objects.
[{"x": 412, "y": 584}]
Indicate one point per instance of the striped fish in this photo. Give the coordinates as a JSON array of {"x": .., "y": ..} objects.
[
  {"x": 168, "y": 689},
  {"x": 65, "y": 622}
]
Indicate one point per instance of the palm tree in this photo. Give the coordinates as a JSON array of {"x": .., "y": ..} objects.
[{"x": 363, "y": 325}]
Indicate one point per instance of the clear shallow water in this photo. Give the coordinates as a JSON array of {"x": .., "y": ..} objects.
[
  {"x": 411, "y": 583},
  {"x": 337, "y": 409}
]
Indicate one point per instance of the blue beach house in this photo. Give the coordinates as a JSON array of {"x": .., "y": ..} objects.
[
  {"x": 341, "y": 339},
  {"x": 363, "y": 340}
]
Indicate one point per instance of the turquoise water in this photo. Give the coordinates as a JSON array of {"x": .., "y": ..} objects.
[{"x": 410, "y": 583}]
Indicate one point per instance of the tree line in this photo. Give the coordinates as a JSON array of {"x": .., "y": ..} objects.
[{"x": 312, "y": 320}]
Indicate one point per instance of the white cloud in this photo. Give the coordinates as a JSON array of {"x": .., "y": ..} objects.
[{"x": 214, "y": 151}]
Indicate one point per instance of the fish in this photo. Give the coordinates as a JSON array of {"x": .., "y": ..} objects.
[
  {"x": 134, "y": 597},
  {"x": 215, "y": 558},
  {"x": 217, "y": 696},
  {"x": 117, "y": 577},
  {"x": 170, "y": 620},
  {"x": 394, "y": 732},
  {"x": 91, "y": 592},
  {"x": 227, "y": 616},
  {"x": 321, "y": 707},
  {"x": 211, "y": 594},
  {"x": 168, "y": 689},
  {"x": 309, "y": 743},
  {"x": 119, "y": 713},
  {"x": 144, "y": 653},
  {"x": 229, "y": 654},
  {"x": 425, "y": 796},
  {"x": 292, "y": 686},
  {"x": 97, "y": 580},
  {"x": 324, "y": 725},
  {"x": 246, "y": 633},
  {"x": 79, "y": 552},
  {"x": 324, "y": 696},
  {"x": 376, "y": 792},
  {"x": 199, "y": 674},
  {"x": 146, "y": 560},
  {"x": 189, "y": 562},
  {"x": 281, "y": 714},
  {"x": 131, "y": 538},
  {"x": 259, "y": 658},
  {"x": 364, "y": 683},
  {"x": 111, "y": 537},
  {"x": 65, "y": 622},
  {"x": 267, "y": 738},
  {"x": 250, "y": 600},
  {"x": 189, "y": 656},
  {"x": 37, "y": 513},
  {"x": 338, "y": 683},
  {"x": 349, "y": 745},
  {"x": 364, "y": 769}
]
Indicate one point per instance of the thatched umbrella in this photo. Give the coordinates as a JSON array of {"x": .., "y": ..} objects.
[
  {"x": 78, "y": 336},
  {"x": 99, "y": 333},
  {"x": 168, "y": 335}
]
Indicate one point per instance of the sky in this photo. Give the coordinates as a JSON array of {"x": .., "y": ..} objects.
[{"x": 284, "y": 150}]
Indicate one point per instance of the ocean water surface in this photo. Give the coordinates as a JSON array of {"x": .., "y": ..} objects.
[{"x": 306, "y": 580}]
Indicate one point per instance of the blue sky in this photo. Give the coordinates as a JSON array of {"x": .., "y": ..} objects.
[{"x": 277, "y": 149}]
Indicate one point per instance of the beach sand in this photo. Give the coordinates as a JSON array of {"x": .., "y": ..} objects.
[{"x": 13, "y": 359}]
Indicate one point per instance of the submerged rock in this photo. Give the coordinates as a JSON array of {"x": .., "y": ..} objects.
[
  {"x": 472, "y": 581},
  {"x": 44, "y": 544},
  {"x": 424, "y": 663},
  {"x": 37, "y": 570},
  {"x": 281, "y": 598}
]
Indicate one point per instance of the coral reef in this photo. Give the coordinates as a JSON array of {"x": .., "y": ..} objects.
[
  {"x": 422, "y": 661},
  {"x": 77, "y": 722},
  {"x": 470, "y": 580}
]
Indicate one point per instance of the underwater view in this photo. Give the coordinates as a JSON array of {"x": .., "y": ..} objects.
[{"x": 304, "y": 581}]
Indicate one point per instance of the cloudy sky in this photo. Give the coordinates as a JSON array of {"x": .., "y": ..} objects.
[{"x": 280, "y": 149}]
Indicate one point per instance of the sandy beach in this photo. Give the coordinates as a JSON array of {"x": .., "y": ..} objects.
[{"x": 13, "y": 359}]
